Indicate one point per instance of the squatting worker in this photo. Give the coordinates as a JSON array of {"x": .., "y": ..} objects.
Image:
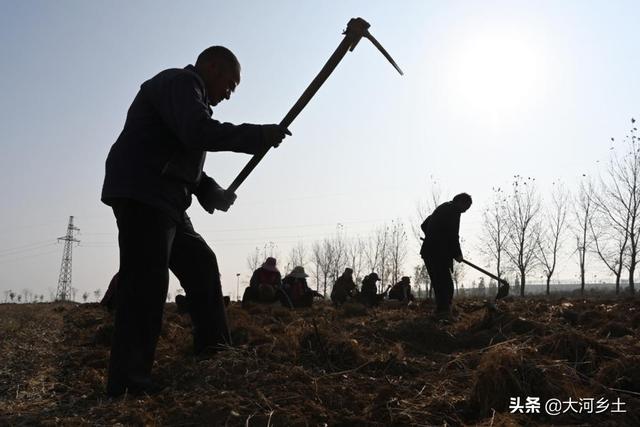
[
  {"x": 441, "y": 246},
  {"x": 152, "y": 170}
]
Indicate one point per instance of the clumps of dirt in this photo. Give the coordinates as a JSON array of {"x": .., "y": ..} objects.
[
  {"x": 423, "y": 335},
  {"x": 622, "y": 373},
  {"x": 378, "y": 409},
  {"x": 571, "y": 316},
  {"x": 249, "y": 335},
  {"x": 322, "y": 349},
  {"x": 393, "y": 365},
  {"x": 615, "y": 330},
  {"x": 635, "y": 321},
  {"x": 506, "y": 372},
  {"x": 583, "y": 353},
  {"x": 502, "y": 420},
  {"x": 282, "y": 314},
  {"x": 505, "y": 322},
  {"x": 354, "y": 309},
  {"x": 590, "y": 318}
]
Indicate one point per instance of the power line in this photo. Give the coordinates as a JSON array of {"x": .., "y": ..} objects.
[
  {"x": 25, "y": 248},
  {"x": 5, "y": 261}
]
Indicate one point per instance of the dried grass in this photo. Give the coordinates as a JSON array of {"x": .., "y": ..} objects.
[{"x": 386, "y": 366}]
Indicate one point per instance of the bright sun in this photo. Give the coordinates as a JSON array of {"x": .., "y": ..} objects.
[{"x": 496, "y": 76}]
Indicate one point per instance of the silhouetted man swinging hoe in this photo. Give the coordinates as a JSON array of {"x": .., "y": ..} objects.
[
  {"x": 441, "y": 246},
  {"x": 152, "y": 170}
]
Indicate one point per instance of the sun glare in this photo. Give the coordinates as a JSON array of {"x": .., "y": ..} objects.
[{"x": 496, "y": 76}]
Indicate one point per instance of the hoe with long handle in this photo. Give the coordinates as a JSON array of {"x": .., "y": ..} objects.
[
  {"x": 356, "y": 29},
  {"x": 503, "y": 289}
]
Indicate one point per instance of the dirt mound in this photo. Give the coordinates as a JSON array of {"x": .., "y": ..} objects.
[
  {"x": 423, "y": 335},
  {"x": 583, "y": 353},
  {"x": 322, "y": 348},
  {"x": 622, "y": 373},
  {"x": 615, "y": 330},
  {"x": 506, "y": 372},
  {"x": 354, "y": 309}
]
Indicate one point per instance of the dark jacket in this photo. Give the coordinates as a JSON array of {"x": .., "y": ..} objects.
[
  {"x": 369, "y": 287},
  {"x": 401, "y": 291},
  {"x": 262, "y": 276},
  {"x": 343, "y": 289},
  {"x": 298, "y": 292},
  {"x": 158, "y": 157},
  {"x": 441, "y": 230}
]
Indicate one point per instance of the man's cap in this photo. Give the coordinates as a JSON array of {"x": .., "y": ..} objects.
[
  {"x": 348, "y": 271},
  {"x": 463, "y": 198},
  {"x": 270, "y": 264},
  {"x": 298, "y": 272},
  {"x": 405, "y": 278},
  {"x": 374, "y": 276}
]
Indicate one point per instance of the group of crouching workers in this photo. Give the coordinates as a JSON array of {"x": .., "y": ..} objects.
[{"x": 267, "y": 286}]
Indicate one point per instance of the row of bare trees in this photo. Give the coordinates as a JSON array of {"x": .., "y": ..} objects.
[
  {"x": 602, "y": 220},
  {"x": 29, "y": 297},
  {"x": 383, "y": 251}
]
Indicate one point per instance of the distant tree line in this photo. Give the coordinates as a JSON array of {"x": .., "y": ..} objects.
[
  {"x": 599, "y": 224},
  {"x": 29, "y": 297},
  {"x": 383, "y": 251}
]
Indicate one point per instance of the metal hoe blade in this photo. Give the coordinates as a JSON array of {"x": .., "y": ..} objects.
[
  {"x": 503, "y": 289},
  {"x": 383, "y": 51}
]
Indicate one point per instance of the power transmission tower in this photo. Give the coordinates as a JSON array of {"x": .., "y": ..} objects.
[{"x": 64, "y": 280}]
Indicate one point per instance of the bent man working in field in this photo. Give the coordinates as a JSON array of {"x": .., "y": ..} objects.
[
  {"x": 152, "y": 170},
  {"x": 344, "y": 289},
  {"x": 440, "y": 247}
]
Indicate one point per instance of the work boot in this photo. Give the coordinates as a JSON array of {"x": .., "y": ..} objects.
[
  {"x": 445, "y": 315},
  {"x": 182, "y": 305},
  {"x": 135, "y": 386}
]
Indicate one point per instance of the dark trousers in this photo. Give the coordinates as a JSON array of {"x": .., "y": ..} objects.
[
  {"x": 151, "y": 243},
  {"x": 439, "y": 269}
]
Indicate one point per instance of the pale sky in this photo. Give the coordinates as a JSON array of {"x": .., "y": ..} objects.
[{"x": 491, "y": 89}]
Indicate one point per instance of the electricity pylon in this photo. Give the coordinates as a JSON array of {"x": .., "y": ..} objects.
[{"x": 64, "y": 280}]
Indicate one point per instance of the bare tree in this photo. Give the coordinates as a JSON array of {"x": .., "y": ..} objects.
[
  {"x": 457, "y": 274},
  {"x": 85, "y": 295},
  {"x": 338, "y": 253},
  {"x": 297, "y": 256},
  {"x": 254, "y": 260},
  {"x": 495, "y": 234},
  {"x": 617, "y": 206},
  {"x": 523, "y": 212},
  {"x": 323, "y": 261},
  {"x": 377, "y": 254},
  {"x": 97, "y": 294},
  {"x": 12, "y": 295},
  {"x": 424, "y": 208},
  {"x": 421, "y": 277},
  {"x": 583, "y": 212},
  {"x": 373, "y": 253},
  {"x": 552, "y": 230},
  {"x": 609, "y": 246},
  {"x": 257, "y": 257},
  {"x": 356, "y": 257},
  {"x": 397, "y": 249}
]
